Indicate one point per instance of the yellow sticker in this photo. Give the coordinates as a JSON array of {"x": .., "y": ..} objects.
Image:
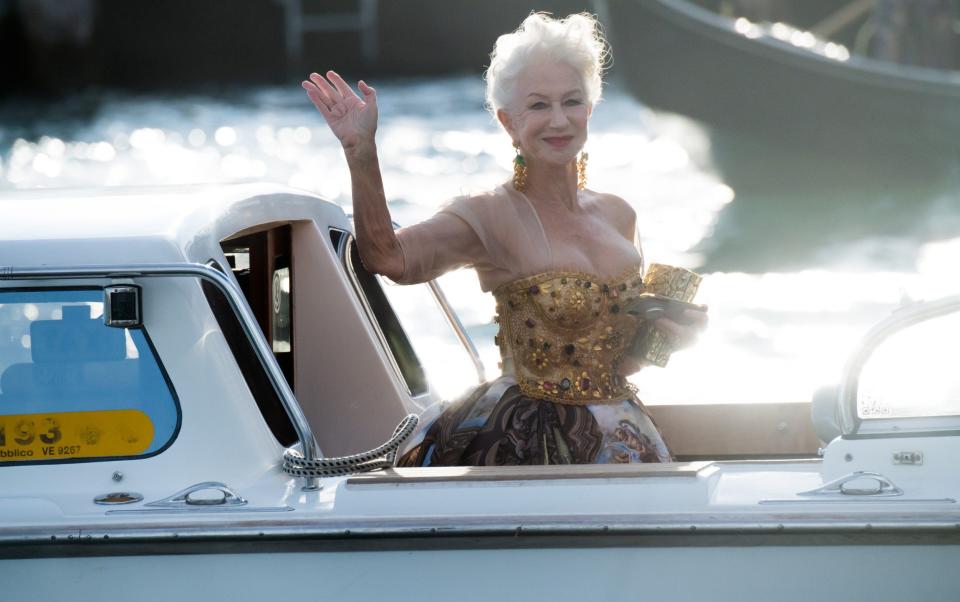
[{"x": 32, "y": 437}]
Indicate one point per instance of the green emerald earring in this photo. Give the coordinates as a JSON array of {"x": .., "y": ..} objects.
[{"x": 519, "y": 171}]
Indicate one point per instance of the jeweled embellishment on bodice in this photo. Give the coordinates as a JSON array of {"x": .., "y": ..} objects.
[{"x": 567, "y": 334}]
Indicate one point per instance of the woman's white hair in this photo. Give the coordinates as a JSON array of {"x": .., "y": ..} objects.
[{"x": 575, "y": 40}]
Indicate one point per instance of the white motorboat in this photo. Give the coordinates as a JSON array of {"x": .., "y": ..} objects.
[{"x": 163, "y": 350}]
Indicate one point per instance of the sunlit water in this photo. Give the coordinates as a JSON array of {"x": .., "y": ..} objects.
[{"x": 773, "y": 336}]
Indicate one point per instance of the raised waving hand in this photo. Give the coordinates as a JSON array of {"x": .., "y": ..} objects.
[{"x": 352, "y": 119}]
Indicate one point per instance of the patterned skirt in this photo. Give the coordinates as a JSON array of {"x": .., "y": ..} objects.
[{"x": 496, "y": 425}]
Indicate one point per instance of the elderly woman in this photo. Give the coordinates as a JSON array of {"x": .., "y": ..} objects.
[{"x": 559, "y": 258}]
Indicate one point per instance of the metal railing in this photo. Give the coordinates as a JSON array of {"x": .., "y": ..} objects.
[
  {"x": 458, "y": 329},
  {"x": 448, "y": 312}
]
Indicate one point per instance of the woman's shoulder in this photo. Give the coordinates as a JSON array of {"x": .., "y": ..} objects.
[
  {"x": 477, "y": 203},
  {"x": 615, "y": 210}
]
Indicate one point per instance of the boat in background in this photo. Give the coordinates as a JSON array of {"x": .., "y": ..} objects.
[
  {"x": 784, "y": 85},
  {"x": 810, "y": 137}
]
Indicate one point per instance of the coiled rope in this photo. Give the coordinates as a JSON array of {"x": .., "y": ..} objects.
[{"x": 383, "y": 456}]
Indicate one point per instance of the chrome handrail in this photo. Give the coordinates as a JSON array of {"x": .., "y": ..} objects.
[
  {"x": 448, "y": 312},
  {"x": 455, "y": 324},
  {"x": 237, "y": 302},
  {"x": 343, "y": 253},
  {"x": 458, "y": 329},
  {"x": 901, "y": 318}
]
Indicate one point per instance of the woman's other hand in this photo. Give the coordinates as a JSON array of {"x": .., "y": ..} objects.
[
  {"x": 681, "y": 335},
  {"x": 353, "y": 120},
  {"x": 685, "y": 333},
  {"x": 631, "y": 364}
]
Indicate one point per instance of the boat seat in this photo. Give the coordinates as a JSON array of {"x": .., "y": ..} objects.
[
  {"x": 70, "y": 381},
  {"x": 74, "y": 360}
]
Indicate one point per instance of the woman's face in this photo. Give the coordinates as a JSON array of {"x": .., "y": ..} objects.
[{"x": 549, "y": 113}]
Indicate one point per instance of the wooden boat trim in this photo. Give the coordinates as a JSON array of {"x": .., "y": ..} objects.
[{"x": 737, "y": 431}]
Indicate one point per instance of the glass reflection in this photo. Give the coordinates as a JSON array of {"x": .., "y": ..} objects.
[{"x": 913, "y": 373}]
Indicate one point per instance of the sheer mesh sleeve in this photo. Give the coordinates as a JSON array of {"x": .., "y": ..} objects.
[
  {"x": 437, "y": 245},
  {"x": 483, "y": 231},
  {"x": 499, "y": 233}
]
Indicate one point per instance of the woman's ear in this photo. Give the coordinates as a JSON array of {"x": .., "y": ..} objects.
[{"x": 505, "y": 121}]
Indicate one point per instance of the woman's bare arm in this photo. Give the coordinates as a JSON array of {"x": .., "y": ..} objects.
[
  {"x": 354, "y": 122},
  {"x": 379, "y": 248}
]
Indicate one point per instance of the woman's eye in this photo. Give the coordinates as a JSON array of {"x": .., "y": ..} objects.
[
  {"x": 573, "y": 102},
  {"x": 538, "y": 105}
]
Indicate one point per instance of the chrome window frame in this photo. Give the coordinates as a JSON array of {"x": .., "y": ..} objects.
[
  {"x": 457, "y": 326},
  {"x": 343, "y": 250},
  {"x": 154, "y": 356},
  {"x": 343, "y": 253},
  {"x": 307, "y": 442},
  {"x": 852, "y": 426}
]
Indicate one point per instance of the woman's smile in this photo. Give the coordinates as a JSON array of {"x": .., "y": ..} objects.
[
  {"x": 548, "y": 117},
  {"x": 558, "y": 141}
]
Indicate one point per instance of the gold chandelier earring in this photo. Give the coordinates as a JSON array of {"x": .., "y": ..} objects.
[
  {"x": 519, "y": 171},
  {"x": 582, "y": 171}
]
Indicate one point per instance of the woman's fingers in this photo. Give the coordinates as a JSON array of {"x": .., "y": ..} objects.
[
  {"x": 317, "y": 98},
  {"x": 630, "y": 364},
  {"x": 683, "y": 335},
  {"x": 342, "y": 87},
  {"x": 369, "y": 93},
  {"x": 696, "y": 319},
  {"x": 328, "y": 91},
  {"x": 321, "y": 88},
  {"x": 670, "y": 328}
]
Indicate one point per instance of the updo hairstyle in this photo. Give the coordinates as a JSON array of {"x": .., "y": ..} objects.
[{"x": 575, "y": 40}]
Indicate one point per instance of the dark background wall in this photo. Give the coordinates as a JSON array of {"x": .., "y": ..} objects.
[
  {"x": 171, "y": 44},
  {"x": 453, "y": 35}
]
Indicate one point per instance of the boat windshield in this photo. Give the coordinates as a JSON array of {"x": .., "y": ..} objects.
[
  {"x": 913, "y": 373},
  {"x": 73, "y": 388}
]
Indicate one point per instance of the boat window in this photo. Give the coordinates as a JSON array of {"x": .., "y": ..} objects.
[
  {"x": 74, "y": 389},
  {"x": 381, "y": 313},
  {"x": 268, "y": 401},
  {"x": 261, "y": 263},
  {"x": 913, "y": 373}
]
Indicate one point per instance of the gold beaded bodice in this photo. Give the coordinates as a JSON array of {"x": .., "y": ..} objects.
[{"x": 566, "y": 333}]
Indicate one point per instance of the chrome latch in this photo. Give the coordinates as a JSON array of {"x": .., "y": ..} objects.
[
  {"x": 907, "y": 457},
  {"x": 118, "y": 497},
  {"x": 859, "y": 483},
  {"x": 209, "y": 493}
]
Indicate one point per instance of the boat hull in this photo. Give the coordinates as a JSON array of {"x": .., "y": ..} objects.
[{"x": 693, "y": 566}]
